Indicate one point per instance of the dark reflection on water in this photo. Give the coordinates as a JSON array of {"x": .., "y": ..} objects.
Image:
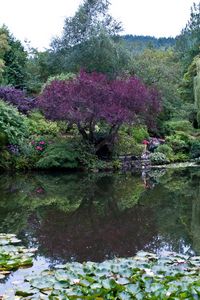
[{"x": 98, "y": 216}]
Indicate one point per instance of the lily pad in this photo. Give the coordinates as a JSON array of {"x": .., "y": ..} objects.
[
  {"x": 145, "y": 276},
  {"x": 12, "y": 255}
]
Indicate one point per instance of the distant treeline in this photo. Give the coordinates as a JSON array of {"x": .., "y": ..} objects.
[{"x": 139, "y": 42}]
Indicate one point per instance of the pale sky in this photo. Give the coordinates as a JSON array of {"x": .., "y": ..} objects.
[{"x": 40, "y": 20}]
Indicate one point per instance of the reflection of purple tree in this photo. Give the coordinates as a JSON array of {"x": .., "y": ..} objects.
[{"x": 86, "y": 235}]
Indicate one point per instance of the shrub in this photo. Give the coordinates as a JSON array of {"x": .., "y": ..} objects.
[
  {"x": 37, "y": 124},
  {"x": 28, "y": 156},
  {"x": 158, "y": 158},
  {"x": 21, "y": 163},
  {"x": 179, "y": 142},
  {"x": 195, "y": 149},
  {"x": 3, "y": 139},
  {"x": 179, "y": 157},
  {"x": 87, "y": 157},
  {"x": 5, "y": 159},
  {"x": 17, "y": 98},
  {"x": 59, "y": 155},
  {"x": 126, "y": 144},
  {"x": 171, "y": 127},
  {"x": 139, "y": 133},
  {"x": 167, "y": 150},
  {"x": 39, "y": 144},
  {"x": 12, "y": 124}
]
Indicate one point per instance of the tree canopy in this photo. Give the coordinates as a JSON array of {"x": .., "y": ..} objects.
[
  {"x": 89, "y": 40},
  {"x": 90, "y": 20},
  {"x": 90, "y": 99},
  {"x": 13, "y": 59},
  {"x": 188, "y": 41}
]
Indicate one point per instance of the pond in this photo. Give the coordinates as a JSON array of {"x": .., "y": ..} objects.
[{"x": 93, "y": 217}]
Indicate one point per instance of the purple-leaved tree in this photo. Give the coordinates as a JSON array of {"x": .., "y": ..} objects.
[
  {"x": 17, "y": 98},
  {"x": 92, "y": 99}
]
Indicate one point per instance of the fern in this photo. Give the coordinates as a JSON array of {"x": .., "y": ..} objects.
[{"x": 59, "y": 155}]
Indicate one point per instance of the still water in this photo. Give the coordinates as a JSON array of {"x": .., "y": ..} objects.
[{"x": 81, "y": 217}]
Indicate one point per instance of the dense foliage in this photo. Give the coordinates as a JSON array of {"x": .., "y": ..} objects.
[
  {"x": 188, "y": 41},
  {"x": 161, "y": 69},
  {"x": 89, "y": 41},
  {"x": 138, "y": 43},
  {"x": 12, "y": 124},
  {"x": 91, "y": 99},
  {"x": 14, "y": 59},
  {"x": 17, "y": 98},
  {"x": 100, "y": 108},
  {"x": 59, "y": 155}
]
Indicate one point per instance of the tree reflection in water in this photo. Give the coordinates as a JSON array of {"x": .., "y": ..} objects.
[{"x": 97, "y": 216}]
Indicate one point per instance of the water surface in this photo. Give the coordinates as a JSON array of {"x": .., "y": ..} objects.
[{"x": 81, "y": 217}]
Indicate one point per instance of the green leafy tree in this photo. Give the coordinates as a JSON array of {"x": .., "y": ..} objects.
[
  {"x": 90, "y": 19},
  {"x": 39, "y": 68},
  {"x": 197, "y": 89},
  {"x": 161, "y": 69},
  {"x": 188, "y": 41},
  {"x": 90, "y": 41},
  {"x": 14, "y": 59},
  {"x": 4, "y": 46},
  {"x": 189, "y": 91}
]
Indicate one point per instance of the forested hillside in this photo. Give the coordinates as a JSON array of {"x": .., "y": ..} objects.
[{"x": 96, "y": 94}]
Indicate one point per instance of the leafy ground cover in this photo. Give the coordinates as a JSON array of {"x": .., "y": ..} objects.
[
  {"x": 146, "y": 276},
  {"x": 12, "y": 255}
]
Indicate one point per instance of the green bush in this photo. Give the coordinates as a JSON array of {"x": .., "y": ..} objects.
[
  {"x": 179, "y": 142},
  {"x": 195, "y": 149},
  {"x": 13, "y": 126},
  {"x": 60, "y": 77},
  {"x": 139, "y": 133},
  {"x": 37, "y": 124},
  {"x": 87, "y": 157},
  {"x": 158, "y": 158},
  {"x": 3, "y": 139},
  {"x": 61, "y": 154},
  {"x": 31, "y": 151},
  {"x": 171, "y": 127},
  {"x": 21, "y": 163},
  {"x": 126, "y": 144},
  {"x": 167, "y": 150},
  {"x": 179, "y": 157},
  {"x": 5, "y": 160}
]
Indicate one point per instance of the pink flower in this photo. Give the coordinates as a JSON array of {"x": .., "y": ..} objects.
[
  {"x": 39, "y": 190},
  {"x": 39, "y": 148},
  {"x": 42, "y": 142}
]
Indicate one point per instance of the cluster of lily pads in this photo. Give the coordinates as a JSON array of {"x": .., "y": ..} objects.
[
  {"x": 12, "y": 255},
  {"x": 146, "y": 276}
]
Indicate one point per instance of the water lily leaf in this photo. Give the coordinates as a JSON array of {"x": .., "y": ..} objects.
[
  {"x": 124, "y": 296},
  {"x": 108, "y": 283},
  {"x": 96, "y": 286},
  {"x": 122, "y": 281}
]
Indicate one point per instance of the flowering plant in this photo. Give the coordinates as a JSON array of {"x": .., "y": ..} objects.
[{"x": 39, "y": 145}]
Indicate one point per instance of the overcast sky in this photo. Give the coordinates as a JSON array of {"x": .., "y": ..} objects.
[{"x": 39, "y": 20}]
